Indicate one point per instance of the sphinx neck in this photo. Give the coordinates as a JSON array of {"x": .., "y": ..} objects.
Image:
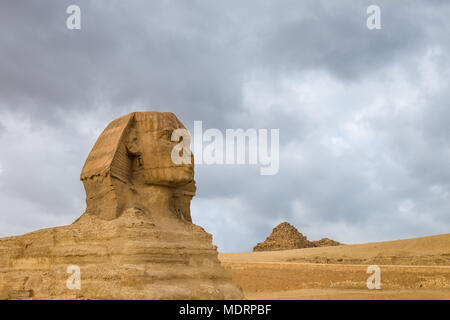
[{"x": 155, "y": 199}]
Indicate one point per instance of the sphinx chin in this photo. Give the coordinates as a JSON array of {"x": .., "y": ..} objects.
[{"x": 136, "y": 239}]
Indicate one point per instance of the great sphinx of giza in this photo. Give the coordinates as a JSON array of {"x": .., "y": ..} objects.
[{"x": 136, "y": 239}]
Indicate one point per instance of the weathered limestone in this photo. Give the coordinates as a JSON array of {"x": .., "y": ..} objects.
[
  {"x": 285, "y": 237},
  {"x": 136, "y": 239},
  {"x": 325, "y": 242}
]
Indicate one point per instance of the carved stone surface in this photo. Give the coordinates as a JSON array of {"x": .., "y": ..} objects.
[{"x": 136, "y": 239}]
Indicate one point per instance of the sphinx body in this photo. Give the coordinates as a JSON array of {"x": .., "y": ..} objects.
[{"x": 136, "y": 239}]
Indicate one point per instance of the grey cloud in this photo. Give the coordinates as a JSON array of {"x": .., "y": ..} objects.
[
  {"x": 129, "y": 56},
  {"x": 197, "y": 60}
]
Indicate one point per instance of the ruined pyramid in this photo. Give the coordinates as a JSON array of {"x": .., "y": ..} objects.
[{"x": 285, "y": 237}]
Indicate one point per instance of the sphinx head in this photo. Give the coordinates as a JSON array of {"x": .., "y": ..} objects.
[
  {"x": 134, "y": 151},
  {"x": 150, "y": 146}
]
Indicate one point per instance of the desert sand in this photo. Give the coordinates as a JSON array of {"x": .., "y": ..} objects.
[{"x": 416, "y": 268}]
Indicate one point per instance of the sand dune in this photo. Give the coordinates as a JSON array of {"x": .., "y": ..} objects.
[
  {"x": 416, "y": 268},
  {"x": 428, "y": 251}
]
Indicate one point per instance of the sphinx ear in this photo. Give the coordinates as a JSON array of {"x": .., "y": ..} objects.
[{"x": 132, "y": 143}]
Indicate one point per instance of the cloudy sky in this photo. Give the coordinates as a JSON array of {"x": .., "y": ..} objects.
[{"x": 363, "y": 114}]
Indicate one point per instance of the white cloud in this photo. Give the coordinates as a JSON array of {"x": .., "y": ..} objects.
[
  {"x": 41, "y": 187},
  {"x": 440, "y": 191},
  {"x": 315, "y": 227},
  {"x": 358, "y": 148},
  {"x": 406, "y": 206},
  {"x": 231, "y": 221}
]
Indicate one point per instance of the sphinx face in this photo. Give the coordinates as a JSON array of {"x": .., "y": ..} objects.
[{"x": 152, "y": 150}]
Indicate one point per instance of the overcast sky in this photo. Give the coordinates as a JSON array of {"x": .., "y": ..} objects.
[{"x": 363, "y": 114}]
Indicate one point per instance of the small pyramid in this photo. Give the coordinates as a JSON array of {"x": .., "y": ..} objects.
[
  {"x": 325, "y": 242},
  {"x": 284, "y": 237}
]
